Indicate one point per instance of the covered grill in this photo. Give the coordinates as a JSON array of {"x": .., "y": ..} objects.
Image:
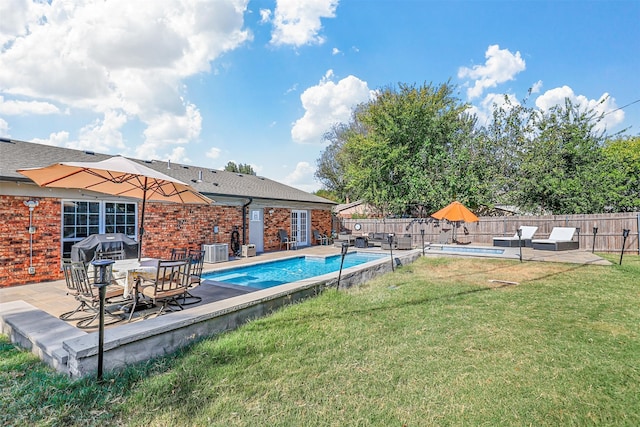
[{"x": 85, "y": 250}]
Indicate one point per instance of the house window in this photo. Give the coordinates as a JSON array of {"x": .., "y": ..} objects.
[{"x": 81, "y": 218}]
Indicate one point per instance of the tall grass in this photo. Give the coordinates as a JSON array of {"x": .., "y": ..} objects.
[{"x": 444, "y": 341}]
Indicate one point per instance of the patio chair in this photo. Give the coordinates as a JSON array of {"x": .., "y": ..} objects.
[
  {"x": 114, "y": 252},
  {"x": 72, "y": 290},
  {"x": 513, "y": 242},
  {"x": 178, "y": 254},
  {"x": 89, "y": 296},
  {"x": 285, "y": 240},
  {"x": 196, "y": 260},
  {"x": 169, "y": 286},
  {"x": 322, "y": 239},
  {"x": 560, "y": 239}
]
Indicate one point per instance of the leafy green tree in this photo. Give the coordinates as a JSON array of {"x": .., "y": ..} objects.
[
  {"x": 408, "y": 150},
  {"x": 329, "y": 195},
  {"x": 240, "y": 168},
  {"x": 562, "y": 170},
  {"x": 331, "y": 166},
  {"x": 500, "y": 148},
  {"x": 622, "y": 161}
]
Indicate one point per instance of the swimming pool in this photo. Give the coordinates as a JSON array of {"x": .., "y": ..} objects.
[
  {"x": 472, "y": 250},
  {"x": 274, "y": 273}
]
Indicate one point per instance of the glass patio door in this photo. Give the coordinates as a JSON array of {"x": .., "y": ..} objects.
[{"x": 300, "y": 227}]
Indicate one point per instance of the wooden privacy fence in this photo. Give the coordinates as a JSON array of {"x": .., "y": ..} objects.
[{"x": 608, "y": 238}]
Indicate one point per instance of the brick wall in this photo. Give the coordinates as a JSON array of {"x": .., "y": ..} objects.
[
  {"x": 14, "y": 241},
  {"x": 166, "y": 226},
  {"x": 170, "y": 226}
]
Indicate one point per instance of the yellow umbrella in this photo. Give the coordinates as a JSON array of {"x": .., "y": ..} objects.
[{"x": 117, "y": 176}]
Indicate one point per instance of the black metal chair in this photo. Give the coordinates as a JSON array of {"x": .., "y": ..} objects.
[
  {"x": 89, "y": 296},
  {"x": 169, "y": 286},
  {"x": 178, "y": 254},
  {"x": 196, "y": 261}
]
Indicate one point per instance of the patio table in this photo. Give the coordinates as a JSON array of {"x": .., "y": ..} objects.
[{"x": 127, "y": 272}]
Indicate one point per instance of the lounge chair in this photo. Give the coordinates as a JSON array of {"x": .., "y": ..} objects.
[
  {"x": 560, "y": 239},
  {"x": 285, "y": 240},
  {"x": 512, "y": 242},
  {"x": 322, "y": 239}
]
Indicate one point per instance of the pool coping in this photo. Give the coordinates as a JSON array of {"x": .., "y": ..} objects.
[{"x": 77, "y": 354}]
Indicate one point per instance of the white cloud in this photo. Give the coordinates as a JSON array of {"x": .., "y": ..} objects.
[
  {"x": 168, "y": 129},
  {"x": 489, "y": 103},
  {"x": 536, "y": 87},
  {"x": 179, "y": 155},
  {"x": 335, "y": 51},
  {"x": 59, "y": 139},
  {"x": 302, "y": 178},
  {"x": 265, "y": 16},
  {"x": 4, "y": 128},
  {"x": 14, "y": 108},
  {"x": 213, "y": 153},
  {"x": 501, "y": 66},
  {"x": 116, "y": 58},
  {"x": 326, "y": 104},
  {"x": 603, "y": 105},
  {"x": 298, "y": 22}
]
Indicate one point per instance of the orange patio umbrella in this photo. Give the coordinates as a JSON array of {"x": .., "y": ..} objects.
[
  {"x": 455, "y": 212},
  {"x": 118, "y": 176}
]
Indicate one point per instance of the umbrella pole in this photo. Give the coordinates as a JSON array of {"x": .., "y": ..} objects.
[{"x": 141, "y": 228}]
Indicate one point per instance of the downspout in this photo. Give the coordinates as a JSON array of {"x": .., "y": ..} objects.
[{"x": 244, "y": 220}]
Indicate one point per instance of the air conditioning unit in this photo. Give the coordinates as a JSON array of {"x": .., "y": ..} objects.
[{"x": 216, "y": 253}]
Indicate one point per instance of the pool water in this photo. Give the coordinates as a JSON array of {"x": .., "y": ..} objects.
[
  {"x": 269, "y": 274},
  {"x": 474, "y": 250}
]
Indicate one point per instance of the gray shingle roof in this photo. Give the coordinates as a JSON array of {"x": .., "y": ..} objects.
[{"x": 20, "y": 155}]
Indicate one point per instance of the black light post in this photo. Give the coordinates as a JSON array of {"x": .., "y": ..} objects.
[
  {"x": 344, "y": 249},
  {"x": 625, "y": 234},
  {"x": 519, "y": 233},
  {"x": 595, "y": 231},
  {"x": 422, "y": 235},
  {"x": 390, "y": 240},
  {"x": 101, "y": 282}
]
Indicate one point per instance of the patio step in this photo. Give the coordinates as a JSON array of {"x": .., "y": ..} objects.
[{"x": 38, "y": 331}]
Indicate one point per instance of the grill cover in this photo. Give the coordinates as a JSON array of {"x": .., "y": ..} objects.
[{"x": 85, "y": 250}]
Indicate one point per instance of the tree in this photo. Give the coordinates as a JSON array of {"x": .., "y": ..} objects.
[
  {"x": 561, "y": 170},
  {"x": 622, "y": 161},
  {"x": 240, "y": 168},
  {"x": 408, "y": 150}
]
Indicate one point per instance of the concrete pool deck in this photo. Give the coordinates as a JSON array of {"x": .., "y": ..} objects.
[{"x": 29, "y": 313}]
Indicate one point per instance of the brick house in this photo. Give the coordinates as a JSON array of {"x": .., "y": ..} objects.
[{"x": 254, "y": 206}]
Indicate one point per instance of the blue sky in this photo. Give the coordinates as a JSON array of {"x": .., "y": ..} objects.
[{"x": 259, "y": 82}]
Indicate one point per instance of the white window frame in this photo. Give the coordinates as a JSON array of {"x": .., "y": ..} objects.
[{"x": 96, "y": 222}]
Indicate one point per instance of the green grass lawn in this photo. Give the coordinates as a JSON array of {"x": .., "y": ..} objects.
[{"x": 443, "y": 341}]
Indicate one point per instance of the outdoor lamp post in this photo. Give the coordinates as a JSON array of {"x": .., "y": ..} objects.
[
  {"x": 344, "y": 250},
  {"x": 595, "y": 231},
  {"x": 101, "y": 283},
  {"x": 519, "y": 233},
  {"x": 422, "y": 235},
  {"x": 390, "y": 240},
  {"x": 625, "y": 234}
]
